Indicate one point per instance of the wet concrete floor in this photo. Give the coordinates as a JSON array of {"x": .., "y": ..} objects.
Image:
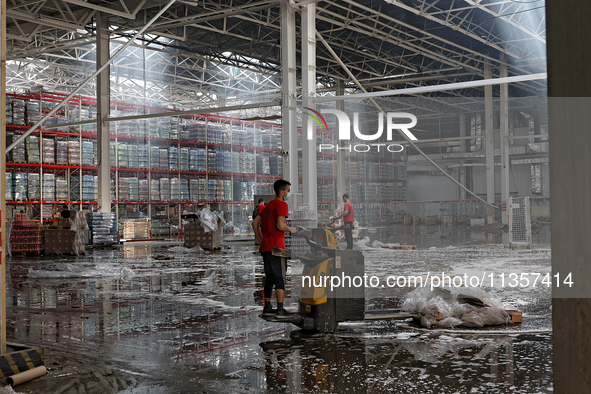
[{"x": 121, "y": 321}]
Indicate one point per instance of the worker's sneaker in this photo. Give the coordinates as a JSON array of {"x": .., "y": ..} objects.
[
  {"x": 269, "y": 312},
  {"x": 284, "y": 314}
]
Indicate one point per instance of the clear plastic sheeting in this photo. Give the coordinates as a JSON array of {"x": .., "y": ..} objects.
[
  {"x": 79, "y": 225},
  {"x": 66, "y": 270},
  {"x": 182, "y": 249},
  {"x": 210, "y": 220},
  {"x": 451, "y": 307}
]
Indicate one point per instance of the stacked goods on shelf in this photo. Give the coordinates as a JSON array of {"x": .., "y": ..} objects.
[
  {"x": 113, "y": 155},
  {"x": 61, "y": 190},
  {"x": 276, "y": 165},
  {"x": 34, "y": 186},
  {"x": 183, "y": 132},
  {"x": 136, "y": 229},
  {"x": 400, "y": 171},
  {"x": 173, "y": 158},
  {"x": 48, "y": 187},
  {"x": 122, "y": 156},
  {"x": 123, "y": 189},
  {"x": 155, "y": 190},
  {"x": 25, "y": 236},
  {"x": 194, "y": 189},
  {"x": 32, "y": 149},
  {"x": 264, "y": 188},
  {"x": 134, "y": 189},
  {"x": 48, "y": 149},
  {"x": 163, "y": 159},
  {"x": 17, "y": 154},
  {"x": 175, "y": 189},
  {"x": 32, "y": 112},
  {"x": 373, "y": 170},
  {"x": 9, "y": 192},
  {"x": 202, "y": 189},
  {"x": 326, "y": 192},
  {"x": 75, "y": 188},
  {"x": 353, "y": 171},
  {"x": 236, "y": 162},
  {"x": 263, "y": 167},
  {"x": 201, "y": 157},
  {"x": 164, "y": 189},
  {"x": 163, "y": 128},
  {"x": 20, "y": 185},
  {"x": 56, "y": 120},
  {"x": 197, "y": 132},
  {"x": 355, "y": 191},
  {"x": 211, "y": 160},
  {"x": 227, "y": 185},
  {"x": 400, "y": 192},
  {"x": 133, "y": 159},
  {"x": 83, "y": 112},
  {"x": 219, "y": 161},
  {"x": 61, "y": 152},
  {"x": 87, "y": 157},
  {"x": 214, "y": 133},
  {"x": 227, "y": 161},
  {"x": 74, "y": 153},
  {"x": 8, "y": 110},
  {"x": 243, "y": 191},
  {"x": 185, "y": 195},
  {"x": 219, "y": 190},
  {"x": 154, "y": 157},
  {"x": 174, "y": 128},
  {"x": 103, "y": 227},
  {"x": 144, "y": 193},
  {"x": 211, "y": 189},
  {"x": 184, "y": 159},
  {"x": 143, "y": 159},
  {"x": 247, "y": 163},
  {"x": 113, "y": 192},
  {"x": 89, "y": 187},
  {"x": 160, "y": 229},
  {"x": 18, "y": 112}
]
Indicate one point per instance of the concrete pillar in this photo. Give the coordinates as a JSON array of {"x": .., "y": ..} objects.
[
  {"x": 504, "y": 141},
  {"x": 489, "y": 141},
  {"x": 103, "y": 95},
  {"x": 289, "y": 138},
  {"x": 309, "y": 171},
  {"x": 462, "y": 168},
  {"x": 569, "y": 117}
]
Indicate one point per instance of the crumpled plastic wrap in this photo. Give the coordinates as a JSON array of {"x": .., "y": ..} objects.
[
  {"x": 210, "y": 221},
  {"x": 7, "y": 240},
  {"x": 79, "y": 225},
  {"x": 451, "y": 307}
]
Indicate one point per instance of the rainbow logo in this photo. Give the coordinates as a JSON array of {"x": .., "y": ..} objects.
[{"x": 315, "y": 118}]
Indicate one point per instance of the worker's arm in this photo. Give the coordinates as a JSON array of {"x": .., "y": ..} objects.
[
  {"x": 256, "y": 226},
  {"x": 343, "y": 214},
  {"x": 281, "y": 226}
]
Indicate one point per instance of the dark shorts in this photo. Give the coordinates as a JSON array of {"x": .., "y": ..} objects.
[{"x": 275, "y": 269}]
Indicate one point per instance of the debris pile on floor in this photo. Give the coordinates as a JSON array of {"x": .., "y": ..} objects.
[{"x": 451, "y": 307}]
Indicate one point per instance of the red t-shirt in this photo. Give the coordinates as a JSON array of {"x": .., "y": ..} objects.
[
  {"x": 349, "y": 207},
  {"x": 261, "y": 208},
  {"x": 272, "y": 237}
]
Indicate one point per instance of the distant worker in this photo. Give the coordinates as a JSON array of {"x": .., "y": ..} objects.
[
  {"x": 258, "y": 209},
  {"x": 270, "y": 228},
  {"x": 65, "y": 212},
  {"x": 348, "y": 218}
]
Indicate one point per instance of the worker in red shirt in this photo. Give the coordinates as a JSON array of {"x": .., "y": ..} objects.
[
  {"x": 348, "y": 218},
  {"x": 270, "y": 228}
]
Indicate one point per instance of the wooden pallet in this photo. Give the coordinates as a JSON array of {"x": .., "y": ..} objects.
[
  {"x": 28, "y": 253},
  {"x": 401, "y": 247}
]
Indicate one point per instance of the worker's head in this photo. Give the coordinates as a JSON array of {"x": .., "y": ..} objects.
[
  {"x": 345, "y": 197},
  {"x": 282, "y": 189},
  {"x": 65, "y": 207},
  {"x": 261, "y": 201}
]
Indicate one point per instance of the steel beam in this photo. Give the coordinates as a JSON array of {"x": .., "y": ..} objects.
[
  {"x": 289, "y": 131},
  {"x": 489, "y": 140},
  {"x": 103, "y": 95},
  {"x": 504, "y": 140},
  {"x": 3, "y": 238},
  {"x": 341, "y": 159},
  {"x": 309, "y": 170}
]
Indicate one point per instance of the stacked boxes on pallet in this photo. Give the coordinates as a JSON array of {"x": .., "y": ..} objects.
[
  {"x": 26, "y": 237},
  {"x": 61, "y": 152},
  {"x": 74, "y": 153},
  {"x": 61, "y": 190},
  {"x": 34, "y": 186},
  {"x": 17, "y": 154},
  {"x": 87, "y": 157},
  {"x": 48, "y": 187},
  {"x": 103, "y": 227},
  {"x": 48, "y": 149},
  {"x": 136, "y": 228},
  {"x": 32, "y": 149},
  {"x": 20, "y": 185},
  {"x": 89, "y": 187},
  {"x": 9, "y": 193},
  {"x": 18, "y": 112}
]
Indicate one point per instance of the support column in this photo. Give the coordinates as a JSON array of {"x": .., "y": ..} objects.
[
  {"x": 569, "y": 91},
  {"x": 341, "y": 159},
  {"x": 103, "y": 95},
  {"x": 289, "y": 130},
  {"x": 489, "y": 141},
  {"x": 462, "y": 168},
  {"x": 3, "y": 239},
  {"x": 504, "y": 140}
]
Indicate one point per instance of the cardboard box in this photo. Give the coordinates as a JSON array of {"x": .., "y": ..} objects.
[
  {"x": 195, "y": 235},
  {"x": 59, "y": 241},
  {"x": 516, "y": 316}
]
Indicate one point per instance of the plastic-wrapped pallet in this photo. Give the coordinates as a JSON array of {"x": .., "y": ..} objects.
[
  {"x": 219, "y": 161},
  {"x": 247, "y": 163},
  {"x": 75, "y": 188},
  {"x": 144, "y": 190},
  {"x": 74, "y": 153},
  {"x": 87, "y": 156},
  {"x": 165, "y": 189},
  {"x": 32, "y": 149},
  {"x": 174, "y": 128},
  {"x": 123, "y": 189},
  {"x": 34, "y": 186},
  {"x": 201, "y": 160},
  {"x": 211, "y": 161},
  {"x": 9, "y": 193},
  {"x": 80, "y": 227},
  {"x": 164, "y": 128},
  {"x": 32, "y": 112},
  {"x": 89, "y": 188},
  {"x": 154, "y": 157},
  {"x": 193, "y": 166},
  {"x": 227, "y": 190},
  {"x": 143, "y": 161},
  {"x": 48, "y": 148},
  {"x": 184, "y": 159},
  {"x": 17, "y": 154},
  {"x": 236, "y": 162},
  {"x": 227, "y": 164},
  {"x": 133, "y": 156},
  {"x": 155, "y": 190},
  {"x": 175, "y": 189},
  {"x": 185, "y": 195},
  {"x": 18, "y": 112},
  {"x": 103, "y": 227},
  {"x": 20, "y": 185},
  {"x": 202, "y": 189},
  {"x": 276, "y": 165},
  {"x": 8, "y": 110},
  {"x": 136, "y": 228},
  {"x": 134, "y": 189},
  {"x": 61, "y": 190},
  {"x": 183, "y": 133},
  {"x": 194, "y": 190},
  {"x": 197, "y": 132},
  {"x": 122, "y": 156},
  {"x": 61, "y": 152},
  {"x": 113, "y": 155},
  {"x": 263, "y": 165},
  {"x": 211, "y": 189},
  {"x": 48, "y": 187},
  {"x": 163, "y": 158},
  {"x": 173, "y": 158}
]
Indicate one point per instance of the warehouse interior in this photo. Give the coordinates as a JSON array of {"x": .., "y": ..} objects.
[{"x": 157, "y": 125}]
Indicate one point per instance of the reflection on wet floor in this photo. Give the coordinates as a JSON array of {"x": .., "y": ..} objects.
[{"x": 193, "y": 320}]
